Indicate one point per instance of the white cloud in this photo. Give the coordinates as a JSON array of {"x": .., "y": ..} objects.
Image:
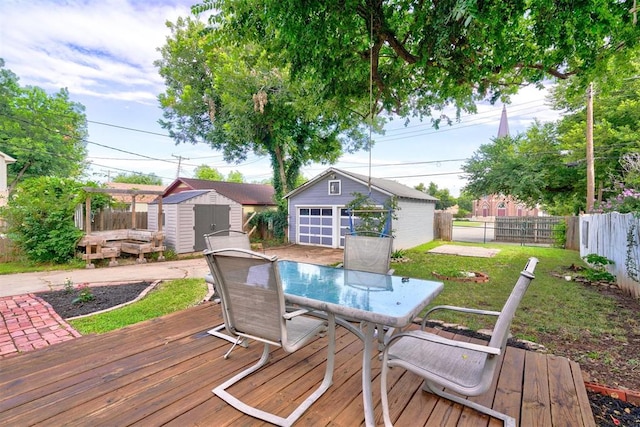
[{"x": 97, "y": 48}]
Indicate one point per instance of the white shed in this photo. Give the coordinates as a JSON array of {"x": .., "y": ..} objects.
[{"x": 188, "y": 215}]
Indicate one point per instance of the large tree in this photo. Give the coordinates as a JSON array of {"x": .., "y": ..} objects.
[
  {"x": 235, "y": 99},
  {"x": 547, "y": 164},
  {"x": 44, "y": 132},
  {"x": 421, "y": 56},
  {"x": 138, "y": 178}
]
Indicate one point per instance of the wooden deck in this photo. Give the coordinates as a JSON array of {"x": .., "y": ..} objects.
[{"x": 162, "y": 372}]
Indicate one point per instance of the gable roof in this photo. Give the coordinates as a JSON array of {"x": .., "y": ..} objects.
[
  {"x": 245, "y": 194},
  {"x": 387, "y": 186},
  {"x": 175, "y": 198}
]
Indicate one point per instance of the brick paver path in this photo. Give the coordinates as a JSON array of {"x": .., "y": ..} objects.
[{"x": 28, "y": 323}]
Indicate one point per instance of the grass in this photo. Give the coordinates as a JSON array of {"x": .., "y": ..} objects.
[
  {"x": 168, "y": 297},
  {"x": 15, "y": 267},
  {"x": 550, "y": 306},
  {"x": 468, "y": 224}
]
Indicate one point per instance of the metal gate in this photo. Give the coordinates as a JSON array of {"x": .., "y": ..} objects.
[{"x": 209, "y": 218}]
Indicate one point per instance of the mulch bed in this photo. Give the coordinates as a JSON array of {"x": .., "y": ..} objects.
[
  {"x": 608, "y": 411},
  {"x": 104, "y": 297}
]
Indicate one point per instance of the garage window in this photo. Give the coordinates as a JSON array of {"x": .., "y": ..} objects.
[{"x": 315, "y": 226}]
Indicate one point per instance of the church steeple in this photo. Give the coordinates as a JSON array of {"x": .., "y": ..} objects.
[{"x": 503, "y": 129}]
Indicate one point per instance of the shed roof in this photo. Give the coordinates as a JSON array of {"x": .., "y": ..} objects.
[
  {"x": 245, "y": 194},
  {"x": 387, "y": 186},
  {"x": 182, "y": 196}
]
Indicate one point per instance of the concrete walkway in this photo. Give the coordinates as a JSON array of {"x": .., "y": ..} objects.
[{"x": 27, "y": 322}]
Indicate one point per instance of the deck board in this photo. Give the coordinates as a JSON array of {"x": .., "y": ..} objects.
[{"x": 162, "y": 372}]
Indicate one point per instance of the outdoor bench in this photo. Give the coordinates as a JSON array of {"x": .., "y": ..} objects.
[{"x": 111, "y": 243}]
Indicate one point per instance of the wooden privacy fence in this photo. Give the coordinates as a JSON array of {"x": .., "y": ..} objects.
[
  {"x": 443, "y": 226},
  {"x": 105, "y": 220},
  {"x": 8, "y": 252},
  {"x": 536, "y": 229},
  {"x": 616, "y": 237}
]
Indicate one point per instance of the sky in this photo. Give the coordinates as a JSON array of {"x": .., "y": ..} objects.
[{"x": 103, "y": 51}]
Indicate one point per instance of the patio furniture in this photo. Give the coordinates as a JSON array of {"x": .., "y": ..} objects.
[
  {"x": 368, "y": 252},
  {"x": 253, "y": 300},
  {"x": 222, "y": 239},
  {"x": 340, "y": 292},
  {"x": 464, "y": 368}
]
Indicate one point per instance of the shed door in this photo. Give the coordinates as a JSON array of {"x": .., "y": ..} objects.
[
  {"x": 209, "y": 218},
  {"x": 315, "y": 226}
]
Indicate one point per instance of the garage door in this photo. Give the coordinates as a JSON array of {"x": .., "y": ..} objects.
[{"x": 315, "y": 226}]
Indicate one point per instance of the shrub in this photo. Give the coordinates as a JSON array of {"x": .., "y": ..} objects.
[
  {"x": 559, "y": 234},
  {"x": 39, "y": 218},
  {"x": 598, "y": 269}
]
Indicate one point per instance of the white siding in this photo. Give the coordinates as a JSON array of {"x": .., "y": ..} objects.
[
  {"x": 414, "y": 225},
  {"x": 152, "y": 217},
  {"x": 183, "y": 226},
  {"x": 179, "y": 219}
]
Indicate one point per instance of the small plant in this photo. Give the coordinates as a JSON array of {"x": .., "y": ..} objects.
[
  {"x": 398, "y": 254},
  {"x": 559, "y": 234},
  {"x": 84, "y": 294},
  {"x": 598, "y": 269},
  {"x": 68, "y": 285}
]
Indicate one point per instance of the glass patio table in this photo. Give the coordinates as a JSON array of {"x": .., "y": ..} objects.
[{"x": 370, "y": 298}]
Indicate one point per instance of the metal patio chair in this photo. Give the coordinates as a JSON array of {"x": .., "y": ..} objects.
[
  {"x": 368, "y": 252},
  {"x": 224, "y": 239},
  {"x": 461, "y": 367},
  {"x": 252, "y": 297}
]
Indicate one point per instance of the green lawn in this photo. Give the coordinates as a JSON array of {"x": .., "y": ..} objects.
[
  {"x": 168, "y": 297},
  {"x": 468, "y": 224},
  {"x": 552, "y": 305}
]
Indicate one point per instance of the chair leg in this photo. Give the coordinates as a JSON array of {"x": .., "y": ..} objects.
[
  {"x": 217, "y": 332},
  {"x": 433, "y": 388},
  {"x": 221, "y": 392}
]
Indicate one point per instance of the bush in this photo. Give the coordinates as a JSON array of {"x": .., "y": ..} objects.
[
  {"x": 598, "y": 269},
  {"x": 39, "y": 218},
  {"x": 559, "y": 234},
  {"x": 274, "y": 221}
]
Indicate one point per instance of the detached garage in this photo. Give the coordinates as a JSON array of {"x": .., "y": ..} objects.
[{"x": 318, "y": 216}]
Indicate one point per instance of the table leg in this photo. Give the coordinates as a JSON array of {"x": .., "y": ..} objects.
[{"x": 367, "y": 397}]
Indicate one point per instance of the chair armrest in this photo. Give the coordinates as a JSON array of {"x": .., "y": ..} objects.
[
  {"x": 454, "y": 308},
  {"x": 426, "y": 336},
  {"x": 290, "y": 315}
]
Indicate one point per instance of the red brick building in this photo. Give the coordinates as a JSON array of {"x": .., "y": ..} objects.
[{"x": 489, "y": 207}]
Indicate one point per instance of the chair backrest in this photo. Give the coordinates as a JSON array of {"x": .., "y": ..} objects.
[
  {"x": 367, "y": 253},
  {"x": 223, "y": 239},
  {"x": 503, "y": 323},
  {"x": 251, "y": 292}
]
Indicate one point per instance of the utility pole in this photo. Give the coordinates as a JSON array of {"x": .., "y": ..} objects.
[
  {"x": 179, "y": 163},
  {"x": 590, "y": 168}
]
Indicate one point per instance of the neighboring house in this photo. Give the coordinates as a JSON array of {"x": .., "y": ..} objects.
[
  {"x": 317, "y": 213},
  {"x": 4, "y": 161},
  {"x": 495, "y": 205},
  {"x": 489, "y": 207},
  {"x": 141, "y": 200},
  {"x": 195, "y": 207}
]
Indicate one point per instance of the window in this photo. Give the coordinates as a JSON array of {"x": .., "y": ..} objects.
[{"x": 334, "y": 187}]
